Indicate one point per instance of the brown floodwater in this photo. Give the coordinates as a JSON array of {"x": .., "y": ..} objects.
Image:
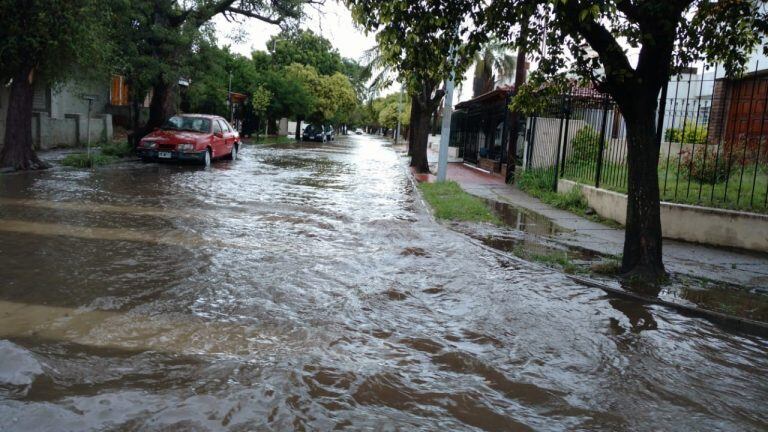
[{"x": 305, "y": 287}]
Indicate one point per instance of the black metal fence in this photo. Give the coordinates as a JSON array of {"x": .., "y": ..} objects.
[{"x": 713, "y": 134}]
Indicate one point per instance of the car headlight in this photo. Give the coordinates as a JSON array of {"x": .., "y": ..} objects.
[
  {"x": 148, "y": 144},
  {"x": 185, "y": 147}
]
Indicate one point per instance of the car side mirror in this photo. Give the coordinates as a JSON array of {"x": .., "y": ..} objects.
[{"x": 218, "y": 135}]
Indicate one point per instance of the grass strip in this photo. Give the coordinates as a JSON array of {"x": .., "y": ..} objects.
[{"x": 450, "y": 202}]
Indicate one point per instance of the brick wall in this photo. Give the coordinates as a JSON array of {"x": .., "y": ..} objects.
[{"x": 718, "y": 112}]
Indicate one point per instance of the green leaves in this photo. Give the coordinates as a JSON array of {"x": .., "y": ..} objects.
[
  {"x": 592, "y": 12},
  {"x": 415, "y": 38},
  {"x": 58, "y": 38},
  {"x": 306, "y": 48}
]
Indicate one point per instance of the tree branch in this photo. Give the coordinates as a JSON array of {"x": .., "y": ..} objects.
[
  {"x": 612, "y": 56},
  {"x": 251, "y": 14}
]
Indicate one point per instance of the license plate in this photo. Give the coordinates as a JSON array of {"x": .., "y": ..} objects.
[{"x": 164, "y": 155}]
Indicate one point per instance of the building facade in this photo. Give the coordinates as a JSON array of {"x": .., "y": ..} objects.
[{"x": 60, "y": 114}]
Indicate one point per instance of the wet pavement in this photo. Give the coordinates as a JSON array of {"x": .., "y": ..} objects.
[
  {"x": 727, "y": 265},
  {"x": 305, "y": 287}
]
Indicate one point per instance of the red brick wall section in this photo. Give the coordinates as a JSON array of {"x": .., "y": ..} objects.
[{"x": 717, "y": 113}]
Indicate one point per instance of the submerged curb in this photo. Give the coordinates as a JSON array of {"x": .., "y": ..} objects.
[{"x": 738, "y": 323}]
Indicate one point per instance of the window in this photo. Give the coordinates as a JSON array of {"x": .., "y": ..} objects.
[
  {"x": 225, "y": 126},
  {"x": 217, "y": 127},
  {"x": 41, "y": 98},
  {"x": 704, "y": 115},
  {"x": 118, "y": 94},
  {"x": 193, "y": 124}
]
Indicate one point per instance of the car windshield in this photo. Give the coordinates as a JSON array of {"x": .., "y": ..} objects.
[{"x": 192, "y": 124}]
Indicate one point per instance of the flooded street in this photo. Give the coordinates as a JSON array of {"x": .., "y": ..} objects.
[{"x": 306, "y": 287}]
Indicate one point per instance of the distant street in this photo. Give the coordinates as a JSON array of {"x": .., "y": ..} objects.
[{"x": 306, "y": 287}]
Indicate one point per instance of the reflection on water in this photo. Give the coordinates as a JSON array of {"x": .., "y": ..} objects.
[{"x": 304, "y": 287}]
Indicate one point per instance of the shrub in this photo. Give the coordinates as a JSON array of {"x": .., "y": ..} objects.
[
  {"x": 81, "y": 160},
  {"x": 534, "y": 181},
  {"x": 585, "y": 145},
  {"x": 746, "y": 151},
  {"x": 690, "y": 133},
  {"x": 712, "y": 168},
  {"x": 117, "y": 149},
  {"x": 573, "y": 200}
]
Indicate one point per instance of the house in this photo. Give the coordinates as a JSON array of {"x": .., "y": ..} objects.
[
  {"x": 740, "y": 109},
  {"x": 727, "y": 109},
  {"x": 60, "y": 113},
  {"x": 119, "y": 103},
  {"x": 480, "y": 129}
]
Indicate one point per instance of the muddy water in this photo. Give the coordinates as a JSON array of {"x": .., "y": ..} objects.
[{"x": 306, "y": 288}]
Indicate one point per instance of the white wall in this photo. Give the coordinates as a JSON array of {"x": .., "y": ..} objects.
[
  {"x": 63, "y": 122},
  {"x": 685, "y": 222}
]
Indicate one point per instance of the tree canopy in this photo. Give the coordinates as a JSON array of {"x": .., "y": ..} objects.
[
  {"x": 53, "y": 38},
  {"x": 305, "y": 48},
  {"x": 45, "y": 41}
]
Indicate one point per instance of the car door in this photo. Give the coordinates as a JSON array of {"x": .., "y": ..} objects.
[
  {"x": 219, "y": 139},
  {"x": 230, "y": 134}
]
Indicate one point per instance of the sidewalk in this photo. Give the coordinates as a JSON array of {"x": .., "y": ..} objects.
[{"x": 737, "y": 267}]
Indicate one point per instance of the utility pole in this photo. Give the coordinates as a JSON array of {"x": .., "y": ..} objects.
[
  {"x": 90, "y": 100},
  {"x": 445, "y": 133},
  {"x": 399, "y": 113}
]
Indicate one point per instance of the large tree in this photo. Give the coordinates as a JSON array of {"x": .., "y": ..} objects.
[
  {"x": 296, "y": 47},
  {"x": 593, "y": 39},
  {"x": 493, "y": 64},
  {"x": 305, "y": 48},
  {"x": 332, "y": 96},
  {"x": 425, "y": 47},
  {"x": 43, "y": 42},
  {"x": 165, "y": 32}
]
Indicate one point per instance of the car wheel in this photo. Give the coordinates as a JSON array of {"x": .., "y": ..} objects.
[
  {"x": 207, "y": 159},
  {"x": 324, "y": 139},
  {"x": 233, "y": 155}
]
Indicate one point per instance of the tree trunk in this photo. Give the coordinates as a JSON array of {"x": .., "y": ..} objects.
[
  {"x": 18, "y": 152},
  {"x": 413, "y": 125},
  {"x": 642, "y": 241},
  {"x": 420, "y": 135},
  {"x": 162, "y": 106},
  {"x": 298, "y": 128},
  {"x": 135, "y": 118},
  {"x": 520, "y": 77}
]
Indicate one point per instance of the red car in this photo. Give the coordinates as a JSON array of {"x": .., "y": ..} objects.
[{"x": 196, "y": 138}]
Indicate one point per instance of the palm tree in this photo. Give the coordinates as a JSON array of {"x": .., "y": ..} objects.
[
  {"x": 494, "y": 64},
  {"x": 383, "y": 75}
]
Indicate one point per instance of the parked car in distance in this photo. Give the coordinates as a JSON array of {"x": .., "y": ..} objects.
[
  {"x": 330, "y": 134},
  {"x": 358, "y": 131},
  {"x": 198, "y": 138},
  {"x": 316, "y": 132}
]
